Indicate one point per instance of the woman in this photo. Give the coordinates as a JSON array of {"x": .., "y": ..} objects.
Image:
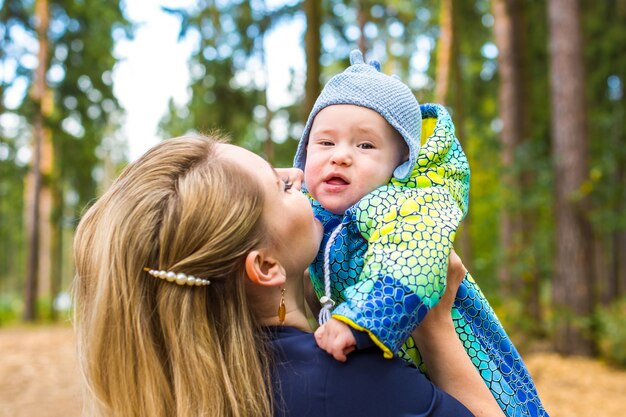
[{"x": 181, "y": 267}]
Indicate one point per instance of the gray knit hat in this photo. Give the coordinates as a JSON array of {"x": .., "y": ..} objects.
[{"x": 364, "y": 85}]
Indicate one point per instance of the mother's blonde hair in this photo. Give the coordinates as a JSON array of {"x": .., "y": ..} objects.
[{"x": 152, "y": 348}]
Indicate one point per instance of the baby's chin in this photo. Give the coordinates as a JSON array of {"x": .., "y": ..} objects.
[
  {"x": 336, "y": 204},
  {"x": 334, "y": 207}
]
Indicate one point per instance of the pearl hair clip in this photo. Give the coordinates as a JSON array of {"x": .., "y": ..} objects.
[{"x": 180, "y": 278}]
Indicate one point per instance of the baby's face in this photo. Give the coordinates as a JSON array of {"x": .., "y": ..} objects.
[{"x": 352, "y": 150}]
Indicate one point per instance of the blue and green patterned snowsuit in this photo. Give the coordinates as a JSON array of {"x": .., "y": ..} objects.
[{"x": 388, "y": 266}]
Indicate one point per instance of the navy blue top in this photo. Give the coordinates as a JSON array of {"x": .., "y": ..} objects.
[{"x": 308, "y": 382}]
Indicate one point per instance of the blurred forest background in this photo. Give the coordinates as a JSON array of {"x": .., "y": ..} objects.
[{"x": 536, "y": 90}]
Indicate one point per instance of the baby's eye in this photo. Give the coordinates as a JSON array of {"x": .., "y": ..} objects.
[
  {"x": 365, "y": 146},
  {"x": 326, "y": 143},
  {"x": 288, "y": 184}
]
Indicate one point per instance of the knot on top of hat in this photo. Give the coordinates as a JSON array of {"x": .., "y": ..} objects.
[{"x": 356, "y": 58}]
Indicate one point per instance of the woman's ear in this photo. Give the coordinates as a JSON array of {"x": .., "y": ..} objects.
[{"x": 264, "y": 270}]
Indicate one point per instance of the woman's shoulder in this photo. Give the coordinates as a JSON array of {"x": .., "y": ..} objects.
[
  {"x": 293, "y": 345},
  {"x": 309, "y": 382},
  {"x": 298, "y": 371}
]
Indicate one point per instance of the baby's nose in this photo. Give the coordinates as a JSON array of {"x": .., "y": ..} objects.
[{"x": 341, "y": 156}]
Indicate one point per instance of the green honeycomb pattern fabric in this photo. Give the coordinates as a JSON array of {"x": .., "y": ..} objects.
[{"x": 388, "y": 266}]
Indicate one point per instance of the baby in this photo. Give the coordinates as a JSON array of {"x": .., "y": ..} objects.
[{"x": 389, "y": 181}]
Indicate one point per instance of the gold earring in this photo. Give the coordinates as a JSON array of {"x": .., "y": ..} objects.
[{"x": 282, "y": 311}]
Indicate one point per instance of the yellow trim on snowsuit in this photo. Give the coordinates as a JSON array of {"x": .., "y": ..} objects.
[{"x": 387, "y": 353}]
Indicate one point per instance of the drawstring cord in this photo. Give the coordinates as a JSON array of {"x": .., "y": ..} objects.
[{"x": 327, "y": 302}]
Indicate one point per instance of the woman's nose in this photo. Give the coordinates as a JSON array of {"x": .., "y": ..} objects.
[
  {"x": 295, "y": 175},
  {"x": 298, "y": 177}
]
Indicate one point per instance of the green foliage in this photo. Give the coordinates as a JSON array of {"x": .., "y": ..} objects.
[
  {"x": 224, "y": 93},
  {"x": 11, "y": 216},
  {"x": 13, "y": 16},
  {"x": 10, "y": 308},
  {"x": 604, "y": 192},
  {"x": 612, "y": 332},
  {"x": 84, "y": 96},
  {"x": 227, "y": 94},
  {"x": 605, "y": 78},
  {"x": 82, "y": 85},
  {"x": 80, "y": 41}
]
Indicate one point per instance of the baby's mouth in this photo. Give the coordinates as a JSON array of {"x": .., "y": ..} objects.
[{"x": 336, "y": 181}]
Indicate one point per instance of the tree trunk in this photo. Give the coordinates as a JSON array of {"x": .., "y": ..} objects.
[
  {"x": 362, "y": 20},
  {"x": 444, "y": 52},
  {"x": 619, "y": 236},
  {"x": 507, "y": 31},
  {"x": 518, "y": 270},
  {"x": 56, "y": 247},
  {"x": 619, "y": 113},
  {"x": 41, "y": 155},
  {"x": 571, "y": 287},
  {"x": 463, "y": 242},
  {"x": 448, "y": 64},
  {"x": 46, "y": 203},
  {"x": 312, "y": 47},
  {"x": 32, "y": 190},
  {"x": 604, "y": 268},
  {"x": 619, "y": 246},
  {"x": 268, "y": 143}
]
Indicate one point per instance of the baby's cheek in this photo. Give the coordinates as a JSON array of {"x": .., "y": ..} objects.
[
  {"x": 311, "y": 168},
  {"x": 312, "y": 181}
]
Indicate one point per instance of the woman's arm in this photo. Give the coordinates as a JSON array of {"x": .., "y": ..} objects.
[{"x": 449, "y": 366}]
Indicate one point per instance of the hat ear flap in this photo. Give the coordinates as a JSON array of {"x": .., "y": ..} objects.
[{"x": 356, "y": 57}]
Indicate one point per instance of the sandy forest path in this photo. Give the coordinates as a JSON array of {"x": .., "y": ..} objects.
[{"x": 39, "y": 377}]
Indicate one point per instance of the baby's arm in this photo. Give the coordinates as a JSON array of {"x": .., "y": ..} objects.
[{"x": 336, "y": 338}]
